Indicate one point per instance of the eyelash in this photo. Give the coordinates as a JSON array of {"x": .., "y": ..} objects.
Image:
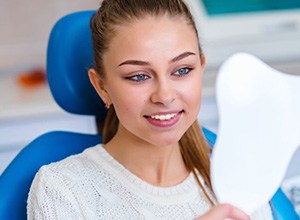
[
  {"x": 145, "y": 77},
  {"x": 188, "y": 69},
  {"x": 135, "y": 79}
]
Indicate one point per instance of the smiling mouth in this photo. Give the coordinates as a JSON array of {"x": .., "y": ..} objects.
[{"x": 163, "y": 117}]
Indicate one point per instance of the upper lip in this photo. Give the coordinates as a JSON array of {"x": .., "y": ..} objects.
[{"x": 163, "y": 113}]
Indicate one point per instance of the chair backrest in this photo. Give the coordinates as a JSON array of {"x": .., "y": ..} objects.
[
  {"x": 69, "y": 56},
  {"x": 16, "y": 180}
]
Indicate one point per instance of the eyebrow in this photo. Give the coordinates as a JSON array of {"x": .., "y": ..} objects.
[
  {"x": 135, "y": 62},
  {"x": 181, "y": 56},
  {"x": 145, "y": 63}
]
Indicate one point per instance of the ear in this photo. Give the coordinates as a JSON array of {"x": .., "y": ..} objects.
[{"x": 99, "y": 85}]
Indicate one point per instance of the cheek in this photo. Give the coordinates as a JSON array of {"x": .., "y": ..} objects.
[
  {"x": 195, "y": 101},
  {"x": 198, "y": 93},
  {"x": 192, "y": 93},
  {"x": 127, "y": 103}
]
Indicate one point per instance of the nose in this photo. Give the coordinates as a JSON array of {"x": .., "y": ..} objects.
[{"x": 163, "y": 92}]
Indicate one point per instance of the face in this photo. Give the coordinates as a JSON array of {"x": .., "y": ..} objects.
[{"x": 153, "y": 77}]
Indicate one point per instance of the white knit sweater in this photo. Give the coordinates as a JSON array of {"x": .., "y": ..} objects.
[{"x": 93, "y": 185}]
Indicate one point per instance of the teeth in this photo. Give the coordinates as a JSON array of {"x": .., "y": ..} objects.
[{"x": 163, "y": 117}]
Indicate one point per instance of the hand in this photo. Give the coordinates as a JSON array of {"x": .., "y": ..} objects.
[{"x": 224, "y": 211}]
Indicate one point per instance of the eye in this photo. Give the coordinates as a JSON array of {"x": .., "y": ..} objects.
[
  {"x": 138, "y": 77},
  {"x": 183, "y": 71}
]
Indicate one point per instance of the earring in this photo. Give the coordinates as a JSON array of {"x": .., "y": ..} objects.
[{"x": 107, "y": 106}]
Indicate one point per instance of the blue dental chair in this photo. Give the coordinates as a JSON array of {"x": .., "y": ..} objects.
[{"x": 69, "y": 56}]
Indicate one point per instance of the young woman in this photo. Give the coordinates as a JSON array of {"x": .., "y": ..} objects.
[{"x": 154, "y": 160}]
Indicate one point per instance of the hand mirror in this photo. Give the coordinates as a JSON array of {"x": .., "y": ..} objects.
[{"x": 259, "y": 131}]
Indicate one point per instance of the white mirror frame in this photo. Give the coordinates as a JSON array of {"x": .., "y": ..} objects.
[{"x": 259, "y": 131}]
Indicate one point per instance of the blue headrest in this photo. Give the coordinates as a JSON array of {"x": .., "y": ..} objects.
[{"x": 69, "y": 56}]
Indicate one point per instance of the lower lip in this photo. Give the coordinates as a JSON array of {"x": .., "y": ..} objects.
[{"x": 165, "y": 123}]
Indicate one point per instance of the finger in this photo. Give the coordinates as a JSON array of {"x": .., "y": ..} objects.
[{"x": 224, "y": 211}]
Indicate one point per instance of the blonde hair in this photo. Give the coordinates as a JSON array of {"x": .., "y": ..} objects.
[{"x": 104, "y": 23}]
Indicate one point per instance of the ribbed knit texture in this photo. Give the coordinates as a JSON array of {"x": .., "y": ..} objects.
[{"x": 93, "y": 185}]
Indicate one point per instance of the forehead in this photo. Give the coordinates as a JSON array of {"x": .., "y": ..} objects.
[{"x": 153, "y": 34}]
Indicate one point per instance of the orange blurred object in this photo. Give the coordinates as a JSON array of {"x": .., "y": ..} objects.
[{"x": 32, "y": 78}]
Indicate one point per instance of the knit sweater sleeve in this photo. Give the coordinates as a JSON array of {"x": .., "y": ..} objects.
[{"x": 51, "y": 198}]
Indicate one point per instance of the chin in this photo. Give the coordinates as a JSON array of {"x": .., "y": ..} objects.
[{"x": 163, "y": 142}]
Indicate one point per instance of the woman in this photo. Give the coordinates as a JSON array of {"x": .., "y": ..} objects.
[{"x": 154, "y": 161}]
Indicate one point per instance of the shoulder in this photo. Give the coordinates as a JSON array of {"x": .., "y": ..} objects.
[
  {"x": 68, "y": 178},
  {"x": 71, "y": 168},
  {"x": 61, "y": 188}
]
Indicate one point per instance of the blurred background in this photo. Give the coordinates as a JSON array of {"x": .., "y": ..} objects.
[
  {"x": 269, "y": 29},
  {"x": 26, "y": 106}
]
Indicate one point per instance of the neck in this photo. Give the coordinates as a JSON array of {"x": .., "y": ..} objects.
[{"x": 157, "y": 165}]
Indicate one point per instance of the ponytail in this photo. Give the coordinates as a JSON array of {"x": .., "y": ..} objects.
[{"x": 195, "y": 152}]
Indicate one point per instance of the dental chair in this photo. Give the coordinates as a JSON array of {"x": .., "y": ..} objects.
[{"x": 69, "y": 56}]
